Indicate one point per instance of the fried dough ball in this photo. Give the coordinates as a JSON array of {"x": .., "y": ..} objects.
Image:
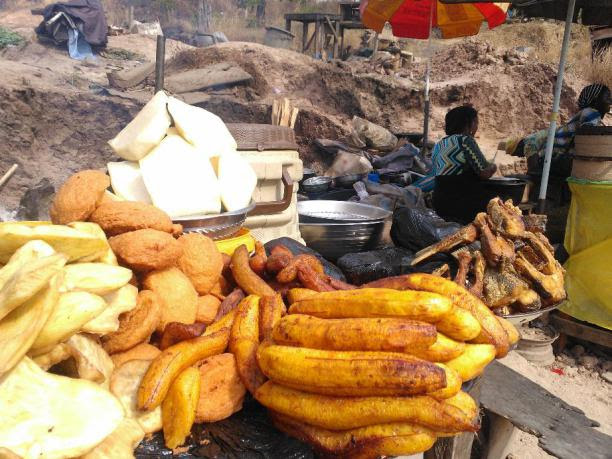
[
  {"x": 78, "y": 197},
  {"x": 208, "y": 305},
  {"x": 117, "y": 217},
  {"x": 135, "y": 326},
  {"x": 146, "y": 249},
  {"x": 201, "y": 261},
  {"x": 178, "y": 296},
  {"x": 143, "y": 351},
  {"x": 221, "y": 390}
]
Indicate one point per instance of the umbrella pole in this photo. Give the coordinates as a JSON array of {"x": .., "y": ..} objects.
[
  {"x": 550, "y": 141},
  {"x": 427, "y": 75}
]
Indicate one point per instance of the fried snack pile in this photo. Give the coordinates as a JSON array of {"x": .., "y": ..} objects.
[
  {"x": 513, "y": 271},
  {"x": 154, "y": 330}
]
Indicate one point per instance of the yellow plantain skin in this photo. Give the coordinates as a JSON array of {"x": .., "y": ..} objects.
[
  {"x": 453, "y": 384},
  {"x": 443, "y": 350},
  {"x": 459, "y": 324},
  {"x": 513, "y": 334},
  {"x": 395, "y": 439},
  {"x": 349, "y": 372},
  {"x": 298, "y": 294},
  {"x": 341, "y": 413},
  {"x": 172, "y": 361},
  {"x": 179, "y": 407},
  {"x": 368, "y": 334},
  {"x": 492, "y": 331},
  {"x": 473, "y": 360},
  {"x": 244, "y": 341},
  {"x": 374, "y": 302},
  {"x": 465, "y": 403},
  {"x": 271, "y": 310},
  {"x": 224, "y": 322}
]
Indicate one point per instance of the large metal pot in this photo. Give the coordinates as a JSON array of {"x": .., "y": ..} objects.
[{"x": 335, "y": 228}]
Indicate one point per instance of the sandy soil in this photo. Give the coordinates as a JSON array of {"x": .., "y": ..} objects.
[{"x": 581, "y": 387}]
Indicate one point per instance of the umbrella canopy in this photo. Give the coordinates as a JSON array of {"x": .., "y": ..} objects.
[
  {"x": 587, "y": 12},
  {"x": 416, "y": 18}
]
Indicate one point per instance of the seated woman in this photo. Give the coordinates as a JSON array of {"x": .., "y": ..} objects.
[
  {"x": 593, "y": 105},
  {"x": 458, "y": 152}
]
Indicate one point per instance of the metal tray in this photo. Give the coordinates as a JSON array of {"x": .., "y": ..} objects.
[
  {"x": 322, "y": 211},
  {"x": 524, "y": 317},
  {"x": 219, "y": 226}
]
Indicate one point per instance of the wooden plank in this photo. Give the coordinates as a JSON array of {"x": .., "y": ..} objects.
[
  {"x": 294, "y": 115},
  {"x": 582, "y": 331},
  {"x": 304, "y": 36},
  {"x": 226, "y": 73},
  {"x": 128, "y": 78},
  {"x": 563, "y": 430}
]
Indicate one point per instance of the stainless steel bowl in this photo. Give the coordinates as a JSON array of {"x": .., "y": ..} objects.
[
  {"x": 332, "y": 240},
  {"x": 339, "y": 212},
  {"x": 316, "y": 184},
  {"x": 523, "y": 317},
  {"x": 335, "y": 228},
  {"x": 218, "y": 226}
]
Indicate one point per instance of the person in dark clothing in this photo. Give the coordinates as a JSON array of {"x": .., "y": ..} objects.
[{"x": 458, "y": 153}]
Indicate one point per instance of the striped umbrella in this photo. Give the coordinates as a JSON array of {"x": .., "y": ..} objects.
[
  {"x": 419, "y": 18},
  {"x": 416, "y": 18}
]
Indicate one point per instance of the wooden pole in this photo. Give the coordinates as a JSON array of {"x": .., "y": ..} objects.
[
  {"x": 317, "y": 39},
  {"x": 160, "y": 57},
  {"x": 130, "y": 17},
  {"x": 336, "y": 39},
  {"x": 304, "y": 36}
]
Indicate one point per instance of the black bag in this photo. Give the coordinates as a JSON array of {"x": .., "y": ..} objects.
[{"x": 415, "y": 228}]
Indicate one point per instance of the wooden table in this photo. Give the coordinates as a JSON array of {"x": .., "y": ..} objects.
[{"x": 325, "y": 24}]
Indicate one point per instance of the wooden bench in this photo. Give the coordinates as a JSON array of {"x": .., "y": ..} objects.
[{"x": 563, "y": 430}]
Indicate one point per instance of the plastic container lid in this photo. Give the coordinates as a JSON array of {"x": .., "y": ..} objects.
[{"x": 243, "y": 237}]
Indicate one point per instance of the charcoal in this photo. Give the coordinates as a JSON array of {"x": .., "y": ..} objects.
[
  {"x": 297, "y": 249},
  {"x": 363, "y": 267}
]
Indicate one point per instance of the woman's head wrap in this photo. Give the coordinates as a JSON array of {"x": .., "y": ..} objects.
[{"x": 590, "y": 94}]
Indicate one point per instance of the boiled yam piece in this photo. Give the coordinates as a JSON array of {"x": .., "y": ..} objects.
[
  {"x": 202, "y": 129},
  {"x": 145, "y": 131},
  {"x": 237, "y": 180},
  {"x": 127, "y": 183},
  {"x": 180, "y": 179}
]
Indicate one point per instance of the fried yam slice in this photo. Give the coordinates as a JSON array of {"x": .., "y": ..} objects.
[
  {"x": 201, "y": 261},
  {"x": 221, "y": 390},
  {"x": 78, "y": 197},
  {"x": 208, "y": 306},
  {"x": 146, "y": 249},
  {"x": 118, "y": 217},
  {"x": 178, "y": 297},
  {"x": 137, "y": 325}
]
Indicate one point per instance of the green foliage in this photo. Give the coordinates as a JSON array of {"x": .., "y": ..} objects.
[{"x": 8, "y": 38}]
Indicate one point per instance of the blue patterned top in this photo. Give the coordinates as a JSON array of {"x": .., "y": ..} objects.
[{"x": 453, "y": 155}]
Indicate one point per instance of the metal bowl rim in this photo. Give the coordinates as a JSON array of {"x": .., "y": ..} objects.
[
  {"x": 233, "y": 213},
  {"x": 385, "y": 212}
]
